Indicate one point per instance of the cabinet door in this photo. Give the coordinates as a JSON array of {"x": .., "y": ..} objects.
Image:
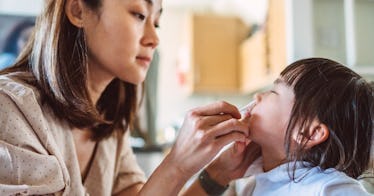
[
  {"x": 255, "y": 70},
  {"x": 215, "y": 51},
  {"x": 264, "y": 53}
]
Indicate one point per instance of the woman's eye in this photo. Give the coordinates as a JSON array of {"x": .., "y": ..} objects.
[
  {"x": 139, "y": 16},
  {"x": 157, "y": 26}
]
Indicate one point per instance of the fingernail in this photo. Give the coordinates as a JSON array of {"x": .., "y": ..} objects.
[{"x": 247, "y": 141}]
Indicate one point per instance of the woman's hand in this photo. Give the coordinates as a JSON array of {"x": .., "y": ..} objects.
[
  {"x": 233, "y": 162},
  {"x": 205, "y": 131}
]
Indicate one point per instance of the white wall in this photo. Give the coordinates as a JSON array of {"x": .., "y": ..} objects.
[
  {"x": 364, "y": 26},
  {"x": 299, "y": 29},
  {"x": 329, "y": 28}
]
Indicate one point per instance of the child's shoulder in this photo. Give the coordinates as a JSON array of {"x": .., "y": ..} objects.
[
  {"x": 317, "y": 175},
  {"x": 331, "y": 181}
]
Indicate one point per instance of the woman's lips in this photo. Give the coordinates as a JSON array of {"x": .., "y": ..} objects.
[{"x": 144, "y": 60}]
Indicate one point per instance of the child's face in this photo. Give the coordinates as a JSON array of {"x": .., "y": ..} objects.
[{"x": 269, "y": 118}]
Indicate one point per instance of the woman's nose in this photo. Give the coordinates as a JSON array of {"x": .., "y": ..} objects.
[{"x": 150, "y": 37}]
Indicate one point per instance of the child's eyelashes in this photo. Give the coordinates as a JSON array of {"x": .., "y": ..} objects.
[{"x": 274, "y": 92}]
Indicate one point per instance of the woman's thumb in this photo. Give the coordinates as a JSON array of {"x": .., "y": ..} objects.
[{"x": 239, "y": 147}]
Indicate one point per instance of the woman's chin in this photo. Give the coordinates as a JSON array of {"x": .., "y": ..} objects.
[
  {"x": 134, "y": 80},
  {"x": 135, "y": 77}
]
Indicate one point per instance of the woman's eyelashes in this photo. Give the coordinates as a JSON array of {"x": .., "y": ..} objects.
[
  {"x": 143, "y": 17},
  {"x": 139, "y": 16}
]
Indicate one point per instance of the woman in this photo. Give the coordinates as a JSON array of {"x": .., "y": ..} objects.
[{"x": 67, "y": 103}]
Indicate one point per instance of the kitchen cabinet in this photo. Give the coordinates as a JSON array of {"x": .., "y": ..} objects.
[
  {"x": 255, "y": 70},
  {"x": 212, "y": 53},
  {"x": 221, "y": 59},
  {"x": 264, "y": 54}
]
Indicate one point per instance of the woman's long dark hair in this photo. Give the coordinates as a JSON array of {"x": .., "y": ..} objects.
[
  {"x": 340, "y": 99},
  {"x": 56, "y": 57}
]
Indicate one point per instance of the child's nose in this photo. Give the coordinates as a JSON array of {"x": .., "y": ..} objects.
[{"x": 258, "y": 97}]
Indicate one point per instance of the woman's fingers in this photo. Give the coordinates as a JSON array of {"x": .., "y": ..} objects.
[
  {"x": 239, "y": 148},
  {"x": 218, "y": 108},
  {"x": 205, "y": 131},
  {"x": 229, "y": 138},
  {"x": 228, "y": 126},
  {"x": 213, "y": 120},
  {"x": 213, "y": 126}
]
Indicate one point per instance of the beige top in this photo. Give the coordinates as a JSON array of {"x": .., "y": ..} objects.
[{"x": 38, "y": 156}]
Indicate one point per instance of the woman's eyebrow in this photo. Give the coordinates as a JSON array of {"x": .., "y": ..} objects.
[{"x": 150, "y": 2}]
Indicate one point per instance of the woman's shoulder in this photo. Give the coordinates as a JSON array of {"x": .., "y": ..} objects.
[
  {"x": 17, "y": 87},
  {"x": 25, "y": 134},
  {"x": 21, "y": 115},
  {"x": 19, "y": 99},
  {"x": 16, "y": 79}
]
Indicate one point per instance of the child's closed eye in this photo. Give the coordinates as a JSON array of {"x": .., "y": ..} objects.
[{"x": 273, "y": 91}]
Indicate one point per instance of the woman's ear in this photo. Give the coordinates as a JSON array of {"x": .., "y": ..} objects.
[
  {"x": 318, "y": 133},
  {"x": 74, "y": 12}
]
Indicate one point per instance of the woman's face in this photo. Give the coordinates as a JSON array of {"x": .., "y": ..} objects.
[
  {"x": 121, "y": 38},
  {"x": 270, "y": 116}
]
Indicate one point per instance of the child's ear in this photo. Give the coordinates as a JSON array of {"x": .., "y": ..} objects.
[
  {"x": 318, "y": 133},
  {"x": 74, "y": 12}
]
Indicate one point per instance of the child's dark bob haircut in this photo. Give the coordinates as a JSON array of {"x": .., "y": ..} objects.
[{"x": 343, "y": 101}]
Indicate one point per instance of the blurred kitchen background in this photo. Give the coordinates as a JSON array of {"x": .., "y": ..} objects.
[{"x": 228, "y": 50}]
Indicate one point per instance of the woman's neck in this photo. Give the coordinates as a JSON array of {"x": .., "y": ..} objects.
[
  {"x": 95, "y": 90},
  {"x": 97, "y": 80}
]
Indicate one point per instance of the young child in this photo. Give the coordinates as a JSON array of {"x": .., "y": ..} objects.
[{"x": 314, "y": 128}]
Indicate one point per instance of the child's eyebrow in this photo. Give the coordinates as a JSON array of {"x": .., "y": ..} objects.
[{"x": 278, "y": 81}]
